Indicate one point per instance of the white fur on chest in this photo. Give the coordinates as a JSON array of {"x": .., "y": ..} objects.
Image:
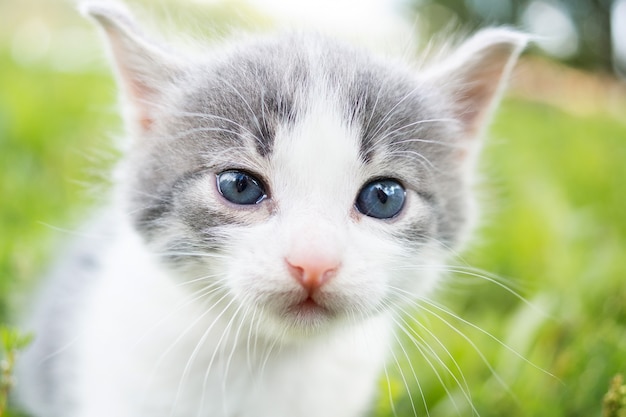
[{"x": 144, "y": 350}]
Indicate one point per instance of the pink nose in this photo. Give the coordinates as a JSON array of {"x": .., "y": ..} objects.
[{"x": 312, "y": 270}]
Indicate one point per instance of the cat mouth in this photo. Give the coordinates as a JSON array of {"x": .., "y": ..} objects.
[{"x": 309, "y": 309}]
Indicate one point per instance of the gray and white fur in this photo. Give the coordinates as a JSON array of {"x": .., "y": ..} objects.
[{"x": 190, "y": 304}]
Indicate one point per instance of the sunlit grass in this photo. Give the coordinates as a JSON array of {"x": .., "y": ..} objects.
[{"x": 52, "y": 126}]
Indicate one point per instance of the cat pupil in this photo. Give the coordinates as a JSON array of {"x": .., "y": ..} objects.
[
  {"x": 382, "y": 195},
  {"x": 242, "y": 183}
]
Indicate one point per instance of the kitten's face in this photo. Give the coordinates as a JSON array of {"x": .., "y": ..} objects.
[
  {"x": 291, "y": 161},
  {"x": 305, "y": 183}
]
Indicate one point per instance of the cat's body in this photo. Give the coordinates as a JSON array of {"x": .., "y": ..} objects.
[
  {"x": 135, "y": 356},
  {"x": 279, "y": 202}
]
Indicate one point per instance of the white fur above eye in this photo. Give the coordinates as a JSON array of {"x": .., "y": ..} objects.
[
  {"x": 197, "y": 301},
  {"x": 317, "y": 161}
]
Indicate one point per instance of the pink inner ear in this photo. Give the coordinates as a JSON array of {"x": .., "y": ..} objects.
[
  {"x": 477, "y": 98},
  {"x": 145, "y": 123},
  {"x": 477, "y": 72},
  {"x": 139, "y": 94},
  {"x": 140, "y": 69}
]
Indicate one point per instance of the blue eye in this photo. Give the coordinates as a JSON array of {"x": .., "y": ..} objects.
[
  {"x": 381, "y": 199},
  {"x": 240, "y": 188}
]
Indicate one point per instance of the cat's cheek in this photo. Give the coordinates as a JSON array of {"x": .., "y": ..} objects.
[
  {"x": 416, "y": 209},
  {"x": 254, "y": 273},
  {"x": 202, "y": 208},
  {"x": 421, "y": 275}
]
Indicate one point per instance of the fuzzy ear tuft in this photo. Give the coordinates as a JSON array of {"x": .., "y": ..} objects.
[
  {"x": 144, "y": 69},
  {"x": 476, "y": 73}
]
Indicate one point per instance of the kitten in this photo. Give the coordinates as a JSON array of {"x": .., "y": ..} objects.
[{"x": 280, "y": 202}]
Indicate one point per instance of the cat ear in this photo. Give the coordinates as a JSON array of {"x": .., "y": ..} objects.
[
  {"x": 144, "y": 69},
  {"x": 477, "y": 72}
]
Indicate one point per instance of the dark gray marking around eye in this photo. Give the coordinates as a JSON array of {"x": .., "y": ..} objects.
[
  {"x": 443, "y": 221},
  {"x": 426, "y": 226},
  {"x": 149, "y": 217},
  {"x": 177, "y": 203}
]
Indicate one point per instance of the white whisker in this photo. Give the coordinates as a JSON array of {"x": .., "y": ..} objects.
[
  {"x": 197, "y": 348},
  {"x": 426, "y": 350},
  {"x": 486, "y": 333},
  {"x": 419, "y": 386}
]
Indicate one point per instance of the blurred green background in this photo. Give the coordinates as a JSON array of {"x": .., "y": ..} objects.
[{"x": 554, "y": 229}]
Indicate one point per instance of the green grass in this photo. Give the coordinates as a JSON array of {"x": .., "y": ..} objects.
[
  {"x": 12, "y": 342},
  {"x": 555, "y": 229},
  {"x": 51, "y": 126}
]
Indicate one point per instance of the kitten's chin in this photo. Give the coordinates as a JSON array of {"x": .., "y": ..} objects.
[
  {"x": 304, "y": 319},
  {"x": 309, "y": 311}
]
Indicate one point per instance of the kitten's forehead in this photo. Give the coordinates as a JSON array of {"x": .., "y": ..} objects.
[
  {"x": 317, "y": 161},
  {"x": 257, "y": 88},
  {"x": 285, "y": 84}
]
